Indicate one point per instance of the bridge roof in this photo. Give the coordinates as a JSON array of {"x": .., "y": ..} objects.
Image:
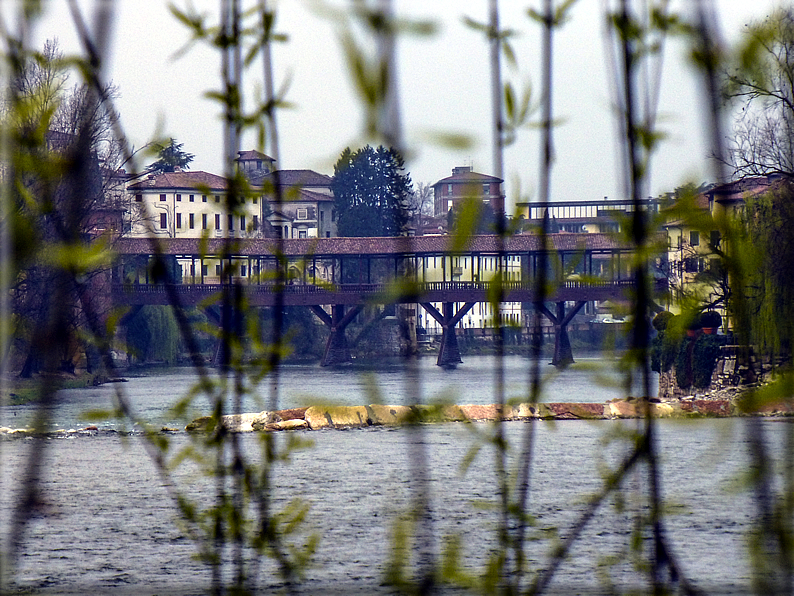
[{"x": 422, "y": 245}]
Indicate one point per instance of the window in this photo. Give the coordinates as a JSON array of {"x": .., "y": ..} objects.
[
  {"x": 322, "y": 216},
  {"x": 179, "y": 198},
  {"x": 205, "y": 270},
  {"x": 138, "y": 198},
  {"x": 333, "y": 214},
  {"x": 218, "y": 270},
  {"x": 231, "y": 223},
  {"x": 242, "y": 223},
  {"x": 162, "y": 197},
  {"x": 179, "y": 220},
  {"x": 449, "y": 189},
  {"x": 486, "y": 189},
  {"x": 714, "y": 240},
  {"x": 192, "y": 198},
  {"x": 203, "y": 198},
  {"x": 217, "y": 221},
  {"x": 217, "y": 198},
  {"x": 163, "y": 221},
  {"x": 255, "y": 223},
  {"x": 191, "y": 221},
  {"x": 203, "y": 221},
  {"x": 258, "y": 164},
  {"x": 242, "y": 270},
  {"x": 192, "y": 270},
  {"x": 328, "y": 234},
  {"x": 303, "y": 213},
  {"x": 301, "y": 233},
  {"x": 694, "y": 238},
  {"x": 254, "y": 200}
]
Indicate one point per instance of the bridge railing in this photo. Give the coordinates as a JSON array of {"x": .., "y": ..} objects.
[{"x": 434, "y": 286}]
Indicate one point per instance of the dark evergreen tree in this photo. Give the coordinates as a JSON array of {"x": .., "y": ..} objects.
[
  {"x": 172, "y": 157},
  {"x": 371, "y": 192}
]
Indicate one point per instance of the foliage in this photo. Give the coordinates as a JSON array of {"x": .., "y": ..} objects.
[
  {"x": 240, "y": 522},
  {"x": 661, "y": 320},
  {"x": 770, "y": 286},
  {"x": 171, "y": 158},
  {"x": 704, "y": 356},
  {"x": 683, "y": 363},
  {"x": 371, "y": 192},
  {"x": 710, "y": 319},
  {"x": 664, "y": 347},
  {"x": 472, "y": 216},
  {"x": 153, "y": 335},
  {"x": 65, "y": 137}
]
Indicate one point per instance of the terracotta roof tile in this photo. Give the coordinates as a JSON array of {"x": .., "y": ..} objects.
[
  {"x": 304, "y": 178},
  {"x": 430, "y": 245},
  {"x": 181, "y": 181},
  {"x": 468, "y": 178}
]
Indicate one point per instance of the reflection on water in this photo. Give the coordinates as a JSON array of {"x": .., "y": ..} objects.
[{"x": 593, "y": 379}]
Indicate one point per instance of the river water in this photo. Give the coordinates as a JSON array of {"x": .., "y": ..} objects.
[
  {"x": 106, "y": 522},
  {"x": 590, "y": 379}
]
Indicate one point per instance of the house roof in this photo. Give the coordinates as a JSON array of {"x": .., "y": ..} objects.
[
  {"x": 252, "y": 155},
  {"x": 180, "y": 181},
  {"x": 464, "y": 176},
  {"x": 742, "y": 189},
  {"x": 418, "y": 245},
  {"x": 303, "y": 178},
  {"x": 311, "y": 196}
]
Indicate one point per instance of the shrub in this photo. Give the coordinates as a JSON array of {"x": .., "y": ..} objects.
[
  {"x": 704, "y": 355},
  {"x": 661, "y": 320},
  {"x": 710, "y": 319}
]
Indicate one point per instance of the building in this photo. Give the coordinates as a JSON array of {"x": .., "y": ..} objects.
[
  {"x": 300, "y": 203},
  {"x": 190, "y": 205},
  {"x": 576, "y": 217},
  {"x": 449, "y": 192},
  {"x": 693, "y": 263},
  {"x": 254, "y": 164}
]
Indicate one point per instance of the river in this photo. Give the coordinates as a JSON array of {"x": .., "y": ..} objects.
[
  {"x": 591, "y": 379},
  {"x": 107, "y": 524}
]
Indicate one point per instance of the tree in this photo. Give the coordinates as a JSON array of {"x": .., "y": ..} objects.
[
  {"x": 172, "y": 157},
  {"x": 371, "y": 192},
  {"x": 65, "y": 147},
  {"x": 763, "y": 79},
  {"x": 770, "y": 249}
]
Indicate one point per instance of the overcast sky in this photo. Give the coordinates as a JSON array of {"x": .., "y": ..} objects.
[{"x": 444, "y": 87}]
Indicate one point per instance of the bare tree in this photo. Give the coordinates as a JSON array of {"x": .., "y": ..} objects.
[
  {"x": 763, "y": 80},
  {"x": 67, "y": 191}
]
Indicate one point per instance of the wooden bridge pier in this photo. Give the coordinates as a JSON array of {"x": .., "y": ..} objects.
[
  {"x": 336, "y": 348},
  {"x": 563, "y": 355},
  {"x": 449, "y": 353}
]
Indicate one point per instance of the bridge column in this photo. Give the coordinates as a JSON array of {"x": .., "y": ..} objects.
[
  {"x": 336, "y": 349},
  {"x": 563, "y": 355},
  {"x": 449, "y": 354}
]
